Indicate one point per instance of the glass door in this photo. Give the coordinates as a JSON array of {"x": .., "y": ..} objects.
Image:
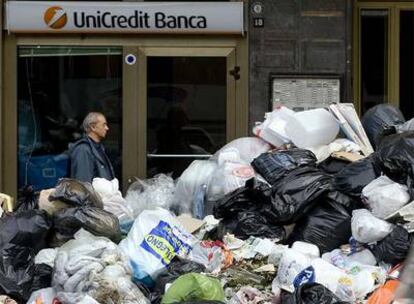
[
  {"x": 406, "y": 55},
  {"x": 384, "y": 55},
  {"x": 190, "y": 107},
  {"x": 57, "y": 86}
]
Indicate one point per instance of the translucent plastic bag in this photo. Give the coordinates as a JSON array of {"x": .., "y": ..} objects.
[
  {"x": 227, "y": 178},
  {"x": 150, "y": 194},
  {"x": 197, "y": 174},
  {"x": 291, "y": 264},
  {"x": 383, "y": 196},
  {"x": 43, "y": 296},
  {"x": 366, "y": 228},
  {"x": 115, "y": 286},
  {"x": 245, "y": 148}
]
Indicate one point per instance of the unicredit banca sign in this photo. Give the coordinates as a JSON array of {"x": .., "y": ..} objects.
[{"x": 124, "y": 17}]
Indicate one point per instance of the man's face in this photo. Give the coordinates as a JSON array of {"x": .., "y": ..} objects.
[{"x": 100, "y": 127}]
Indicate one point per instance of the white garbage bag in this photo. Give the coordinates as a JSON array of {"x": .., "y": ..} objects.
[
  {"x": 227, "y": 178},
  {"x": 291, "y": 264},
  {"x": 197, "y": 174},
  {"x": 155, "y": 238},
  {"x": 46, "y": 256},
  {"x": 383, "y": 196},
  {"x": 244, "y": 149},
  {"x": 310, "y": 250},
  {"x": 339, "y": 259},
  {"x": 112, "y": 199},
  {"x": 350, "y": 284},
  {"x": 366, "y": 228}
]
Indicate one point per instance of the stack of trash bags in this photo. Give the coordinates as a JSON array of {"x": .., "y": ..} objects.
[{"x": 318, "y": 207}]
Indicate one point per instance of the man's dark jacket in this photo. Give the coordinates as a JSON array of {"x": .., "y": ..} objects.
[{"x": 86, "y": 162}]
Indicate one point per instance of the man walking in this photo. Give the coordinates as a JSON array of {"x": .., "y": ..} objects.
[{"x": 87, "y": 156}]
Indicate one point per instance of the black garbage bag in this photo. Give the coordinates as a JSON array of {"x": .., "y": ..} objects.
[
  {"x": 16, "y": 271},
  {"x": 75, "y": 193},
  {"x": 275, "y": 165},
  {"x": 22, "y": 236},
  {"x": 296, "y": 194},
  {"x": 354, "y": 177},
  {"x": 312, "y": 293},
  {"x": 249, "y": 197},
  {"x": 396, "y": 158},
  {"x": 250, "y": 223},
  {"x": 42, "y": 277},
  {"x": 332, "y": 165},
  {"x": 328, "y": 226},
  {"x": 27, "y": 199},
  {"x": 346, "y": 201},
  {"x": 394, "y": 248},
  {"x": 174, "y": 270},
  {"x": 28, "y": 228},
  {"x": 379, "y": 120},
  {"x": 95, "y": 220}
]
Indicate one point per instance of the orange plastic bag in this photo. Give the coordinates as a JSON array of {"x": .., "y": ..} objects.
[{"x": 385, "y": 294}]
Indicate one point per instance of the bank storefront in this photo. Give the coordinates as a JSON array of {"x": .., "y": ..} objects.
[{"x": 170, "y": 77}]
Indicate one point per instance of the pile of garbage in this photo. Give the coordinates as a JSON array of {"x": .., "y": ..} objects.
[{"x": 316, "y": 208}]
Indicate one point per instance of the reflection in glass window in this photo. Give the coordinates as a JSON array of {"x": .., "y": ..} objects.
[
  {"x": 374, "y": 58},
  {"x": 57, "y": 87},
  {"x": 186, "y": 111}
]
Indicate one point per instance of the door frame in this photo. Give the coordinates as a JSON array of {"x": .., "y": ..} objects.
[
  {"x": 145, "y": 52},
  {"x": 234, "y": 47},
  {"x": 393, "y": 33}
]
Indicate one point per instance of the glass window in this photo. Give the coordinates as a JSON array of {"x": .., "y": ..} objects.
[
  {"x": 374, "y": 58},
  {"x": 57, "y": 87},
  {"x": 407, "y": 63},
  {"x": 186, "y": 111}
]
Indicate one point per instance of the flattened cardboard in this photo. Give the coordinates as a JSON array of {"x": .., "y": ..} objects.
[
  {"x": 348, "y": 156},
  {"x": 189, "y": 223}
]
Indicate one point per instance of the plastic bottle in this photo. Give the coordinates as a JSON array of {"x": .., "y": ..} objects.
[
  {"x": 198, "y": 201},
  {"x": 312, "y": 128}
]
